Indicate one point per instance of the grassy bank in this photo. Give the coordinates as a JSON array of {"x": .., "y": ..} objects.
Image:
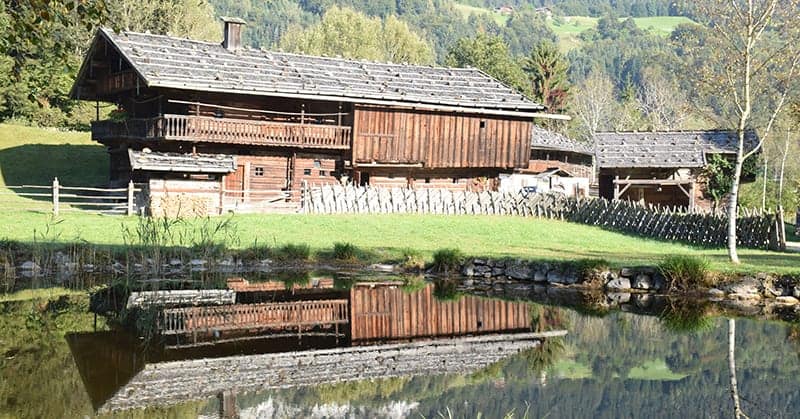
[{"x": 388, "y": 237}]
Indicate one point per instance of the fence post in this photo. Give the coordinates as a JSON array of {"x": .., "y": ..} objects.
[
  {"x": 130, "y": 198},
  {"x": 55, "y": 196}
]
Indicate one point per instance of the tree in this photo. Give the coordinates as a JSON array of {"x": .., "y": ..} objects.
[
  {"x": 350, "y": 34},
  {"x": 748, "y": 60},
  {"x": 42, "y": 45},
  {"x": 547, "y": 69},
  {"x": 594, "y": 103},
  {"x": 402, "y": 45},
  {"x": 662, "y": 102},
  {"x": 490, "y": 54}
]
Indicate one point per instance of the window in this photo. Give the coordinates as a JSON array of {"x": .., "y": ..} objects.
[
  {"x": 456, "y": 180},
  {"x": 317, "y": 164},
  {"x": 322, "y": 173},
  {"x": 219, "y": 114},
  {"x": 306, "y": 172},
  {"x": 483, "y": 124},
  {"x": 427, "y": 180},
  {"x": 258, "y": 171}
]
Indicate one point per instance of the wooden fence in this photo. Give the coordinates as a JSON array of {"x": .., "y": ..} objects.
[
  {"x": 755, "y": 229},
  {"x": 59, "y": 198}
]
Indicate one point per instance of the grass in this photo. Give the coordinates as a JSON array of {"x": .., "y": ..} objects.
[
  {"x": 685, "y": 271},
  {"x": 447, "y": 260},
  {"x": 388, "y": 237},
  {"x": 34, "y": 156}
]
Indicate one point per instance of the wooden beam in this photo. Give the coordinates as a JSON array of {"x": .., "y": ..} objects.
[{"x": 659, "y": 182}]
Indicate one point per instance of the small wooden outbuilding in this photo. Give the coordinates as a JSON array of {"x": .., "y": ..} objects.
[{"x": 663, "y": 168}]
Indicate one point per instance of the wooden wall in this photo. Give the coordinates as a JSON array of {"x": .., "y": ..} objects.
[
  {"x": 476, "y": 180},
  {"x": 388, "y": 313},
  {"x": 439, "y": 140},
  {"x": 579, "y": 165}
]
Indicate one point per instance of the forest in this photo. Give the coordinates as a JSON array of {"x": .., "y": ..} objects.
[{"x": 610, "y": 65}]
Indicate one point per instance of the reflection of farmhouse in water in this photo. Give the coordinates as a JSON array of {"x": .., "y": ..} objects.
[{"x": 270, "y": 335}]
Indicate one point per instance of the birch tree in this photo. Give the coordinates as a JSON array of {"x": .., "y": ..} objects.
[
  {"x": 747, "y": 61},
  {"x": 594, "y": 103}
]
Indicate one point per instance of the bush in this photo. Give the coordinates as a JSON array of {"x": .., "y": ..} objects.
[
  {"x": 345, "y": 251},
  {"x": 588, "y": 268},
  {"x": 291, "y": 251},
  {"x": 412, "y": 260},
  {"x": 446, "y": 260},
  {"x": 685, "y": 272}
]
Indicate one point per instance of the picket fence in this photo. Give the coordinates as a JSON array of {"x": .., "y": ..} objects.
[{"x": 754, "y": 228}]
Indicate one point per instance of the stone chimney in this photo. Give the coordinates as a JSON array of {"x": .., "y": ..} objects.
[{"x": 232, "y": 33}]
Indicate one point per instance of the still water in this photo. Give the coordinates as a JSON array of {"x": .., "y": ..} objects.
[{"x": 391, "y": 349}]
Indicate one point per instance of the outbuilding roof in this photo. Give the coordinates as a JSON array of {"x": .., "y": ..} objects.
[
  {"x": 179, "y": 162},
  {"x": 170, "y": 62},
  {"x": 668, "y": 149},
  {"x": 545, "y": 139}
]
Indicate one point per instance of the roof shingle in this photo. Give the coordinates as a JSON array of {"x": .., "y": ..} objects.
[
  {"x": 164, "y": 61},
  {"x": 545, "y": 139},
  {"x": 678, "y": 149}
]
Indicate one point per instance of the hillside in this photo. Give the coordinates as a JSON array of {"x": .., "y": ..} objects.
[{"x": 569, "y": 28}]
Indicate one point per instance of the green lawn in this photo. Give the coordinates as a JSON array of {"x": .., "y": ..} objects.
[
  {"x": 35, "y": 156},
  {"x": 388, "y": 235}
]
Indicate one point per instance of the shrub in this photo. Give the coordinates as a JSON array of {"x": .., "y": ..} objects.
[
  {"x": 447, "y": 260},
  {"x": 293, "y": 251},
  {"x": 412, "y": 260},
  {"x": 684, "y": 272},
  {"x": 589, "y": 268},
  {"x": 258, "y": 251},
  {"x": 345, "y": 251}
]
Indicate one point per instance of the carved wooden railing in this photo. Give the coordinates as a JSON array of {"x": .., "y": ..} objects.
[
  {"x": 253, "y": 316},
  {"x": 225, "y": 130}
]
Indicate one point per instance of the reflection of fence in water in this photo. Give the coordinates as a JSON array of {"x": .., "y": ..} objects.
[{"x": 253, "y": 316}]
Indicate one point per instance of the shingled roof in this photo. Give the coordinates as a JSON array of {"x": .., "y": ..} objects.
[
  {"x": 179, "y": 162},
  {"x": 674, "y": 149},
  {"x": 169, "y": 62},
  {"x": 542, "y": 138}
]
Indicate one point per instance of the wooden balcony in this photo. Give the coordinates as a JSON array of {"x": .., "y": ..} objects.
[
  {"x": 253, "y": 316},
  {"x": 222, "y": 130}
]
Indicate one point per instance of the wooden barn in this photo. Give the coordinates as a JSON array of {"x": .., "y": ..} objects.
[
  {"x": 219, "y": 127},
  {"x": 557, "y": 164},
  {"x": 664, "y": 168}
]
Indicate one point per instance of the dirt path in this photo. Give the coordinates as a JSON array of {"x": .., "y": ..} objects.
[{"x": 793, "y": 247}]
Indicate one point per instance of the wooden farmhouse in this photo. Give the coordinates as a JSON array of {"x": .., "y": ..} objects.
[
  {"x": 557, "y": 164},
  {"x": 220, "y": 127},
  {"x": 663, "y": 168}
]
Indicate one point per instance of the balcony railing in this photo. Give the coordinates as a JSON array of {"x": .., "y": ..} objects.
[{"x": 222, "y": 130}]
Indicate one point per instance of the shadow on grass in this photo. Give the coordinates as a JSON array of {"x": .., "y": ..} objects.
[{"x": 38, "y": 164}]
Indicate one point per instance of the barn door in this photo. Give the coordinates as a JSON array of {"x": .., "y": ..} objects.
[{"x": 234, "y": 183}]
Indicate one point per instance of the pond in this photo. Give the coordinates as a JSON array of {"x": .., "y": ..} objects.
[{"x": 391, "y": 348}]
